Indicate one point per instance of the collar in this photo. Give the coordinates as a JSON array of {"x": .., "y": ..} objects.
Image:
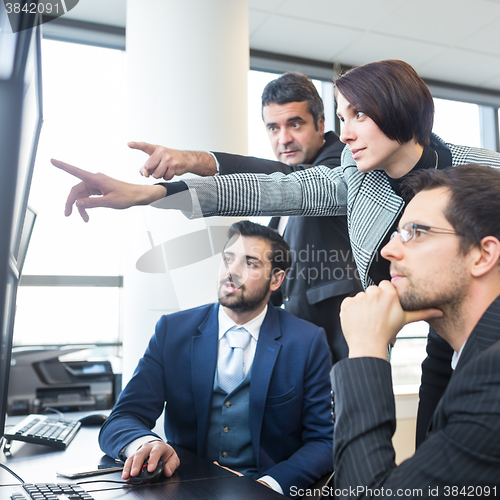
[
  {"x": 483, "y": 336},
  {"x": 253, "y": 326},
  {"x": 329, "y": 138},
  {"x": 456, "y": 356},
  {"x": 445, "y": 158},
  {"x": 428, "y": 160},
  {"x": 437, "y": 155}
]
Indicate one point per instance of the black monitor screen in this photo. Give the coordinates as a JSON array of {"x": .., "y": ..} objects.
[
  {"x": 6, "y": 340},
  {"x": 20, "y": 122},
  {"x": 27, "y": 230},
  {"x": 31, "y": 125}
]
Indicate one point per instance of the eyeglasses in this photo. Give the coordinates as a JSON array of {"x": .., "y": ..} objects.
[{"x": 408, "y": 231}]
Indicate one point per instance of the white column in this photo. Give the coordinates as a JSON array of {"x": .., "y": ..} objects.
[{"x": 187, "y": 72}]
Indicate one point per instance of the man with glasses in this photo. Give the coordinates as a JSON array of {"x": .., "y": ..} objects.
[{"x": 444, "y": 269}]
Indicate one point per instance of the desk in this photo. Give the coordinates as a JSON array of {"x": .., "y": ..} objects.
[{"x": 194, "y": 479}]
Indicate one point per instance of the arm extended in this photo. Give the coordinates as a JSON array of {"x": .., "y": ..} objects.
[{"x": 317, "y": 191}]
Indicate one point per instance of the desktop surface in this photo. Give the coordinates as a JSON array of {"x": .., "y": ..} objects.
[
  {"x": 194, "y": 479},
  {"x": 226, "y": 488}
]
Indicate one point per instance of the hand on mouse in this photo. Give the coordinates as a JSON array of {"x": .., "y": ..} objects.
[{"x": 154, "y": 451}]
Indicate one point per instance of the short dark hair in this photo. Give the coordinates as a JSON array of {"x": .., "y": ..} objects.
[
  {"x": 281, "y": 259},
  {"x": 474, "y": 206},
  {"x": 294, "y": 87},
  {"x": 393, "y": 95}
]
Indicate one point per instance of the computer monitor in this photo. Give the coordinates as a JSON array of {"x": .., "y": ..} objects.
[
  {"x": 24, "y": 240},
  {"x": 31, "y": 124},
  {"x": 20, "y": 123}
]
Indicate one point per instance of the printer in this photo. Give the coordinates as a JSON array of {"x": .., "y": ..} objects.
[{"x": 38, "y": 380}]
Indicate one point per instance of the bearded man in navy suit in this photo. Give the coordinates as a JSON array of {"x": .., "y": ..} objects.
[{"x": 275, "y": 424}]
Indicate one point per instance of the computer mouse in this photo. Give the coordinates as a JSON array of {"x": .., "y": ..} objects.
[
  {"x": 94, "y": 420},
  {"x": 148, "y": 477}
]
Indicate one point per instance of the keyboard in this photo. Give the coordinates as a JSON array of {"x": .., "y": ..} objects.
[
  {"x": 44, "y": 429},
  {"x": 48, "y": 491}
]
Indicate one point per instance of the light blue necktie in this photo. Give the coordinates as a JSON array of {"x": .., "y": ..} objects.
[{"x": 231, "y": 367}]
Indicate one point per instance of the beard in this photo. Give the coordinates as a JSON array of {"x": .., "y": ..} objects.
[
  {"x": 241, "y": 300},
  {"x": 448, "y": 295},
  {"x": 414, "y": 300}
]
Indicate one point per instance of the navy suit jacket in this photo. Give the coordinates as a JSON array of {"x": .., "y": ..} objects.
[
  {"x": 462, "y": 447},
  {"x": 290, "y": 402}
]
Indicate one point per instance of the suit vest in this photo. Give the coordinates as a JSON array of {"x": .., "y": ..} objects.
[{"x": 229, "y": 441}]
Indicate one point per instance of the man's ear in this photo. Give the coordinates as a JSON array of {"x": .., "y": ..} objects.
[
  {"x": 485, "y": 256},
  {"x": 321, "y": 125},
  {"x": 276, "y": 280}
]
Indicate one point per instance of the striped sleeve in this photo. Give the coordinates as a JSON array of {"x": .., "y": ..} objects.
[{"x": 314, "y": 192}]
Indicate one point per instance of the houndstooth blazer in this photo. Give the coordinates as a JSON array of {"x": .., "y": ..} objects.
[{"x": 367, "y": 198}]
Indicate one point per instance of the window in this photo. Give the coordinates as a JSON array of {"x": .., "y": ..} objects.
[
  {"x": 258, "y": 142},
  {"x": 457, "y": 122},
  {"x": 407, "y": 356},
  {"x": 84, "y": 120},
  {"x": 497, "y": 131}
]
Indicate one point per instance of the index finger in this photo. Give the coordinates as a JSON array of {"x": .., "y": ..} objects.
[
  {"x": 387, "y": 286},
  {"x": 71, "y": 169},
  {"x": 142, "y": 146},
  {"x": 422, "y": 315},
  {"x": 126, "y": 468}
]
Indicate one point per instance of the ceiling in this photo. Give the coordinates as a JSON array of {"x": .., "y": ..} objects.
[{"x": 456, "y": 41}]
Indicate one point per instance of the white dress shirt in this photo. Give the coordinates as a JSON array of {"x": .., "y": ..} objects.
[
  {"x": 252, "y": 327},
  {"x": 456, "y": 356}
]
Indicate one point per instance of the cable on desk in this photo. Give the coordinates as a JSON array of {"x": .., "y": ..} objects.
[
  {"x": 12, "y": 472},
  {"x": 103, "y": 481},
  {"x": 123, "y": 484},
  {"x": 127, "y": 484},
  {"x": 49, "y": 409}
]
